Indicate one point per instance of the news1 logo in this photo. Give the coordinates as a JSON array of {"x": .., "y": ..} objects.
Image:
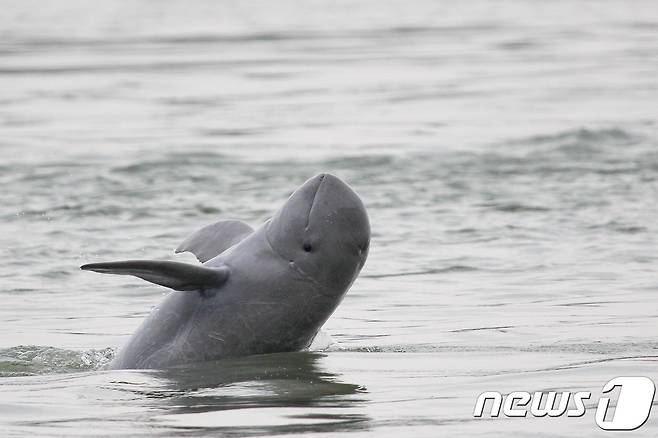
[{"x": 631, "y": 410}]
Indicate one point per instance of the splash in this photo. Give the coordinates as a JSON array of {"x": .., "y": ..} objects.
[
  {"x": 322, "y": 342},
  {"x": 31, "y": 360}
]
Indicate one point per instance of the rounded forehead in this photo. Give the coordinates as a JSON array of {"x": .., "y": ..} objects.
[{"x": 323, "y": 202}]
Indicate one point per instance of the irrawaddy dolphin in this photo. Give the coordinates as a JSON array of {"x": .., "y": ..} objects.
[{"x": 257, "y": 291}]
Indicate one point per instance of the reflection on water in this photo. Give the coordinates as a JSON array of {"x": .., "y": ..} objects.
[
  {"x": 286, "y": 379},
  {"x": 278, "y": 392}
]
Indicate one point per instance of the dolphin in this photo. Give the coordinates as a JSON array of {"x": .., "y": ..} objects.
[{"x": 256, "y": 291}]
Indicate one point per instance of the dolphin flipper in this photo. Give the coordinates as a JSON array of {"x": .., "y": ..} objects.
[
  {"x": 214, "y": 239},
  {"x": 174, "y": 275}
]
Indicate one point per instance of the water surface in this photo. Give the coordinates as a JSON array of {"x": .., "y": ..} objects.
[{"x": 507, "y": 155}]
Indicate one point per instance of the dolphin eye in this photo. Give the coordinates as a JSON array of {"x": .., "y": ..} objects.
[{"x": 307, "y": 247}]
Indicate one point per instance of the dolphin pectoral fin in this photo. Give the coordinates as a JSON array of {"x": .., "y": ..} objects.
[
  {"x": 214, "y": 239},
  {"x": 174, "y": 275}
]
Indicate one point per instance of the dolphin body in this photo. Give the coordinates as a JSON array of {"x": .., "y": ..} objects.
[{"x": 257, "y": 291}]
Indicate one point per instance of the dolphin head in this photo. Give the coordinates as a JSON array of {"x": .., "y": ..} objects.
[{"x": 324, "y": 233}]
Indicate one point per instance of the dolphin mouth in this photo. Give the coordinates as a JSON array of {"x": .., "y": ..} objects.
[
  {"x": 301, "y": 272},
  {"x": 294, "y": 266}
]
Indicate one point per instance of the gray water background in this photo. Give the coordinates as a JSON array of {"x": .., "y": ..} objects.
[{"x": 507, "y": 153}]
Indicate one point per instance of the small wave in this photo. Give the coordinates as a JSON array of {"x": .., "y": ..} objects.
[
  {"x": 513, "y": 207},
  {"x": 611, "y": 150},
  {"x": 31, "y": 360},
  {"x": 618, "y": 349},
  {"x": 605, "y": 151},
  {"x": 448, "y": 269},
  {"x": 359, "y": 161},
  {"x": 619, "y": 227},
  {"x": 173, "y": 161},
  {"x": 584, "y": 136},
  {"x": 476, "y": 329},
  {"x": 411, "y": 348}
]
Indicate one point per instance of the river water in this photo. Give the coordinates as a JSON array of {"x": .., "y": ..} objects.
[{"x": 507, "y": 153}]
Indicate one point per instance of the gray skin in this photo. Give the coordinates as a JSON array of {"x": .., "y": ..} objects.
[{"x": 263, "y": 291}]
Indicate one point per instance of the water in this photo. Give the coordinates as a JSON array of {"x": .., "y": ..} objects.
[{"x": 507, "y": 154}]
